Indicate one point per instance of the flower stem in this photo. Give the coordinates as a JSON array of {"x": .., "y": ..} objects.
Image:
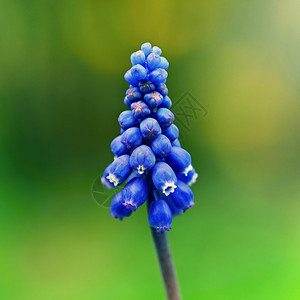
[{"x": 165, "y": 261}]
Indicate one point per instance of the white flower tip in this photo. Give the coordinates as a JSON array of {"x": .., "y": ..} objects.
[
  {"x": 186, "y": 170},
  {"x": 113, "y": 179},
  {"x": 169, "y": 188},
  {"x": 141, "y": 169}
]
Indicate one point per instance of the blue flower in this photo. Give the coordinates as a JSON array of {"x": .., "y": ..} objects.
[
  {"x": 150, "y": 129},
  {"x": 135, "y": 193},
  {"x": 158, "y": 76},
  {"x": 132, "y": 138},
  {"x": 138, "y": 58},
  {"x": 164, "y": 117},
  {"x": 153, "y": 99},
  {"x": 153, "y": 60},
  {"x": 117, "y": 209},
  {"x": 182, "y": 197},
  {"x": 160, "y": 216},
  {"x": 119, "y": 170},
  {"x": 180, "y": 160},
  {"x": 172, "y": 132},
  {"x": 135, "y": 74},
  {"x": 166, "y": 103},
  {"x": 146, "y": 86},
  {"x": 126, "y": 119},
  {"x": 146, "y": 48},
  {"x": 161, "y": 146},
  {"x": 140, "y": 110},
  {"x": 142, "y": 159},
  {"x": 156, "y": 50},
  {"x": 117, "y": 147},
  {"x": 164, "y": 178},
  {"x": 132, "y": 95},
  {"x": 164, "y": 64},
  {"x": 162, "y": 89},
  {"x": 149, "y": 158}
]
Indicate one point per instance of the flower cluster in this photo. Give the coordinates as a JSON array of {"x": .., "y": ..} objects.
[{"x": 148, "y": 156}]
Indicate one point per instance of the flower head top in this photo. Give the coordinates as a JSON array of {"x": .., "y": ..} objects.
[{"x": 148, "y": 155}]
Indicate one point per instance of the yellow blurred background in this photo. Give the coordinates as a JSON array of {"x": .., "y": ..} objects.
[{"x": 61, "y": 91}]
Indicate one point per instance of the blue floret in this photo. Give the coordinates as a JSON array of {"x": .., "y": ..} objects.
[
  {"x": 126, "y": 119},
  {"x": 164, "y": 117},
  {"x": 135, "y": 193},
  {"x": 160, "y": 216},
  {"x": 153, "y": 99},
  {"x": 132, "y": 138},
  {"x": 117, "y": 147},
  {"x": 140, "y": 110},
  {"x": 117, "y": 209},
  {"x": 142, "y": 159},
  {"x": 161, "y": 146},
  {"x": 150, "y": 128},
  {"x": 182, "y": 197}
]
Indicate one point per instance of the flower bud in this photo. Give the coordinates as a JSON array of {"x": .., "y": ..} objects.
[
  {"x": 138, "y": 72},
  {"x": 183, "y": 196},
  {"x": 117, "y": 147},
  {"x": 135, "y": 75},
  {"x": 164, "y": 117},
  {"x": 146, "y": 86},
  {"x": 153, "y": 61},
  {"x": 164, "y": 178},
  {"x": 172, "y": 132},
  {"x": 132, "y": 95},
  {"x": 140, "y": 110},
  {"x": 156, "y": 50},
  {"x": 162, "y": 89},
  {"x": 142, "y": 159},
  {"x": 135, "y": 193},
  {"x": 138, "y": 57},
  {"x": 164, "y": 64},
  {"x": 161, "y": 146},
  {"x": 117, "y": 209},
  {"x": 119, "y": 170},
  {"x": 150, "y": 128},
  {"x": 127, "y": 120},
  {"x": 179, "y": 160},
  {"x": 166, "y": 103},
  {"x": 132, "y": 138},
  {"x": 160, "y": 216},
  {"x": 158, "y": 76},
  {"x": 153, "y": 99},
  {"x": 146, "y": 48}
]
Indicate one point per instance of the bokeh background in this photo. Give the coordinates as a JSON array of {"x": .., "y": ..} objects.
[{"x": 61, "y": 91}]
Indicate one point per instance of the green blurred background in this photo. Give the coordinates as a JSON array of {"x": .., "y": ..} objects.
[{"x": 62, "y": 89}]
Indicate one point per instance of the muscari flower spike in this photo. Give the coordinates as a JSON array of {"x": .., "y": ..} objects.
[{"x": 149, "y": 158}]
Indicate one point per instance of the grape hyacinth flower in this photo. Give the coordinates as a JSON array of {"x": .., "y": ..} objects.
[{"x": 148, "y": 157}]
